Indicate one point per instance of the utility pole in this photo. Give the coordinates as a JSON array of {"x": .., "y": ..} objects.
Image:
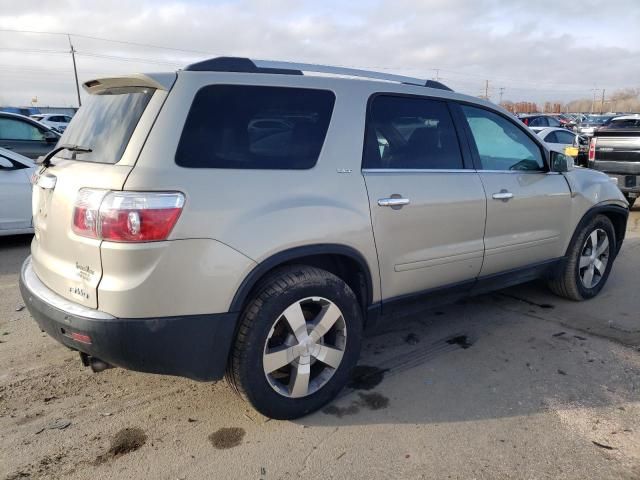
[
  {"x": 437, "y": 77},
  {"x": 501, "y": 93},
  {"x": 602, "y": 102},
  {"x": 75, "y": 70},
  {"x": 593, "y": 102},
  {"x": 486, "y": 89}
]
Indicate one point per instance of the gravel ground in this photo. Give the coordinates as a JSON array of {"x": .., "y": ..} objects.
[{"x": 515, "y": 384}]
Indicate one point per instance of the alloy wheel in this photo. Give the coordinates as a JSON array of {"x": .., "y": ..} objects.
[
  {"x": 304, "y": 347},
  {"x": 594, "y": 258}
]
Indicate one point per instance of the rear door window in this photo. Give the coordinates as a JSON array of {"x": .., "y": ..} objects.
[
  {"x": 105, "y": 123},
  {"x": 255, "y": 127},
  {"x": 410, "y": 133}
]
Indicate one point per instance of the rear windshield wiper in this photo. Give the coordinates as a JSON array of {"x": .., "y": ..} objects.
[{"x": 46, "y": 161}]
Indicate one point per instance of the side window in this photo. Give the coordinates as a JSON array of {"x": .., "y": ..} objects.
[
  {"x": 501, "y": 145},
  {"x": 551, "y": 138},
  {"x": 410, "y": 132},
  {"x": 564, "y": 137},
  {"x": 250, "y": 127},
  {"x": 11, "y": 129},
  {"x": 553, "y": 122},
  {"x": 538, "y": 122}
]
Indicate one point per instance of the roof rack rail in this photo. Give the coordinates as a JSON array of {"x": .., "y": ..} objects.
[{"x": 246, "y": 65}]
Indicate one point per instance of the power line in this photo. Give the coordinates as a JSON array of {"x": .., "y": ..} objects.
[{"x": 123, "y": 42}]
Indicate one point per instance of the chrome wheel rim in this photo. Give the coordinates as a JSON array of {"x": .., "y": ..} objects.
[
  {"x": 594, "y": 258},
  {"x": 304, "y": 347}
]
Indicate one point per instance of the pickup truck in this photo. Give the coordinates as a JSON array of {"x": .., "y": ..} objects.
[{"x": 616, "y": 152}]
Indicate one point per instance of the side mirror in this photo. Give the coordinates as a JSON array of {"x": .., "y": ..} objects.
[
  {"x": 50, "y": 137},
  {"x": 561, "y": 162}
]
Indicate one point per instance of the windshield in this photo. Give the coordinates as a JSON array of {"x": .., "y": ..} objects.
[{"x": 105, "y": 123}]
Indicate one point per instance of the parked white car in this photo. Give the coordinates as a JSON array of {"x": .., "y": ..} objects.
[
  {"x": 557, "y": 138},
  {"x": 15, "y": 193},
  {"x": 53, "y": 120}
]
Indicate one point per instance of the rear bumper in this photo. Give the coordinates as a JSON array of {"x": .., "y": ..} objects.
[{"x": 193, "y": 346}]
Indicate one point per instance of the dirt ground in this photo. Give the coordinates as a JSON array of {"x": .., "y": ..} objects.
[{"x": 515, "y": 384}]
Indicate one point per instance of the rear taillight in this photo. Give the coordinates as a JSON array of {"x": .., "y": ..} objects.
[
  {"x": 592, "y": 149},
  {"x": 126, "y": 216},
  {"x": 86, "y": 211}
]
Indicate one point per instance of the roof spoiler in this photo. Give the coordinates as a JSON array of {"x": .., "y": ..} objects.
[{"x": 158, "y": 81}]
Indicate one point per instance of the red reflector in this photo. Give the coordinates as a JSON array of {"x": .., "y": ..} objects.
[
  {"x": 81, "y": 337},
  {"x": 592, "y": 149}
]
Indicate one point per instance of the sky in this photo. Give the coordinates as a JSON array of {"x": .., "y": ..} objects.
[{"x": 533, "y": 50}]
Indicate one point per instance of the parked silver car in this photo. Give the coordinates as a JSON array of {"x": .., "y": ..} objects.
[
  {"x": 56, "y": 121},
  {"x": 557, "y": 138},
  {"x": 252, "y": 218},
  {"x": 15, "y": 193}
]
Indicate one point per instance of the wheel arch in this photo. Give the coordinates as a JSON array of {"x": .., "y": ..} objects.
[
  {"x": 341, "y": 260},
  {"x": 618, "y": 216}
]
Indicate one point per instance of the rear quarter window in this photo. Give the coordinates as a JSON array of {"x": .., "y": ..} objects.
[{"x": 255, "y": 127}]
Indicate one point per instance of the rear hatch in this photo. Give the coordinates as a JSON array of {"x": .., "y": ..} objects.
[{"x": 113, "y": 122}]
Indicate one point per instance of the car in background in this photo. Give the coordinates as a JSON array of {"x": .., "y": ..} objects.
[
  {"x": 538, "y": 122},
  {"x": 557, "y": 138},
  {"x": 616, "y": 152},
  {"x": 53, "y": 120},
  {"x": 15, "y": 193},
  {"x": 26, "y": 136},
  {"x": 591, "y": 124},
  {"x": 624, "y": 121}
]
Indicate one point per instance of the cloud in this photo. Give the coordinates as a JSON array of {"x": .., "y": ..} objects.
[{"x": 535, "y": 50}]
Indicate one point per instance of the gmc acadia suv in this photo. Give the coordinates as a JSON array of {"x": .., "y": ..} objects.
[{"x": 251, "y": 218}]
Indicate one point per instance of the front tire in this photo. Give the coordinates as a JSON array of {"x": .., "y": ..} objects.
[
  {"x": 589, "y": 260},
  {"x": 298, "y": 342}
]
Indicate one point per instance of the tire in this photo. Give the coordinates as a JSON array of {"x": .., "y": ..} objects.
[
  {"x": 574, "y": 282},
  {"x": 631, "y": 201},
  {"x": 266, "y": 331}
]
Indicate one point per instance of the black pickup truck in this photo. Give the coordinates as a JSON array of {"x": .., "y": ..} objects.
[{"x": 616, "y": 151}]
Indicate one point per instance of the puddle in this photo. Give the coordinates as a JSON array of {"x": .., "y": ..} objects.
[
  {"x": 461, "y": 340},
  {"x": 370, "y": 401},
  {"x": 412, "y": 339},
  {"x": 125, "y": 441},
  {"x": 341, "y": 411},
  {"x": 373, "y": 401},
  {"x": 366, "y": 377},
  {"x": 227, "y": 437}
]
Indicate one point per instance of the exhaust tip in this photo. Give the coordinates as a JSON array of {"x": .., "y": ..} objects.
[{"x": 98, "y": 365}]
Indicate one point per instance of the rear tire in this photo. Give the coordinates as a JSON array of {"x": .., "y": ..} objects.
[
  {"x": 298, "y": 342},
  {"x": 589, "y": 260}
]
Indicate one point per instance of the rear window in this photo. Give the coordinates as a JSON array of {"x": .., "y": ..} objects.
[
  {"x": 255, "y": 127},
  {"x": 105, "y": 123}
]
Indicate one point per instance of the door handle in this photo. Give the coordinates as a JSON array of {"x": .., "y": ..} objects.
[
  {"x": 393, "y": 202},
  {"x": 503, "y": 195}
]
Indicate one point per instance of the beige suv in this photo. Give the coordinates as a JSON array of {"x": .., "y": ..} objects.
[{"x": 251, "y": 218}]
